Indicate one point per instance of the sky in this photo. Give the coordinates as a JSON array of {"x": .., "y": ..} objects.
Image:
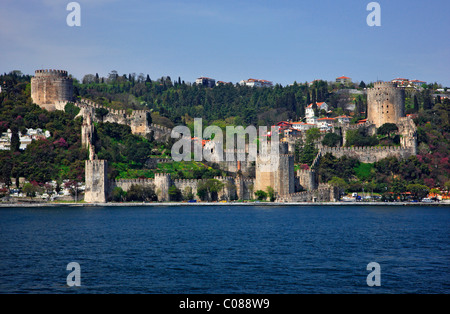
[{"x": 282, "y": 41}]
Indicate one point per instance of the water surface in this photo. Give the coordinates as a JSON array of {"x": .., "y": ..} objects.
[{"x": 225, "y": 249}]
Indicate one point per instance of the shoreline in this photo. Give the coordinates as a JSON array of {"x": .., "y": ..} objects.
[{"x": 5, "y": 205}]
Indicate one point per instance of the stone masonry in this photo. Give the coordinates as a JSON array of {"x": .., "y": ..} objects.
[{"x": 51, "y": 86}]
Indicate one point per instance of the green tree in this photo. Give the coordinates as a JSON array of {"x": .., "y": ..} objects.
[
  {"x": 418, "y": 191},
  {"x": 15, "y": 140},
  {"x": 175, "y": 194},
  {"x": 141, "y": 193},
  {"x": 387, "y": 129},
  {"x": 118, "y": 194},
  {"x": 187, "y": 194},
  {"x": 447, "y": 185},
  {"x": 100, "y": 113},
  {"x": 271, "y": 193},
  {"x": 331, "y": 140},
  {"x": 416, "y": 103},
  {"x": 307, "y": 154},
  {"x": 71, "y": 109},
  {"x": 261, "y": 195},
  {"x": 29, "y": 189},
  {"x": 338, "y": 183},
  {"x": 209, "y": 189},
  {"x": 202, "y": 190},
  {"x": 312, "y": 135}
]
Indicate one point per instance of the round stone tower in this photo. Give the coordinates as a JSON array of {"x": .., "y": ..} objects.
[
  {"x": 51, "y": 86},
  {"x": 385, "y": 103}
]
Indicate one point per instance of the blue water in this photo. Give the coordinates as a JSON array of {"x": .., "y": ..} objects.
[{"x": 225, "y": 249}]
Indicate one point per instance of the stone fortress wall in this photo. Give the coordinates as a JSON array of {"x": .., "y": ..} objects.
[
  {"x": 234, "y": 188},
  {"x": 385, "y": 100},
  {"x": 369, "y": 154},
  {"x": 323, "y": 193},
  {"x": 53, "y": 89},
  {"x": 138, "y": 120}
]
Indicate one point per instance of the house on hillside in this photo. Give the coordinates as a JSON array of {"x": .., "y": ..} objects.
[
  {"x": 205, "y": 81},
  {"x": 256, "y": 83},
  {"x": 309, "y": 112},
  {"x": 343, "y": 80}
]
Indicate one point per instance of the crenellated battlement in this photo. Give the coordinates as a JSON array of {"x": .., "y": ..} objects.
[
  {"x": 369, "y": 154},
  {"x": 358, "y": 126},
  {"x": 95, "y": 162},
  {"x": 48, "y": 73},
  {"x": 223, "y": 178},
  {"x": 186, "y": 181},
  {"x": 135, "y": 181},
  {"x": 162, "y": 175},
  {"x": 245, "y": 180},
  {"x": 51, "y": 86},
  {"x": 160, "y": 127},
  {"x": 384, "y": 85},
  {"x": 326, "y": 149},
  {"x": 137, "y": 119}
]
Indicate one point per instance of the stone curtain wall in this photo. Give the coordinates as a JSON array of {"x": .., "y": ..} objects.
[
  {"x": 324, "y": 193},
  {"x": 369, "y": 154}
]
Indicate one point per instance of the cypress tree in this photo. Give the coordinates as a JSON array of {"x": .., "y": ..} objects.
[{"x": 15, "y": 140}]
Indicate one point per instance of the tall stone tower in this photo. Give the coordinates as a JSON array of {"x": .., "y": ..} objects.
[
  {"x": 96, "y": 181},
  {"x": 51, "y": 86},
  {"x": 139, "y": 122},
  {"x": 279, "y": 174},
  {"x": 163, "y": 182},
  {"x": 385, "y": 103}
]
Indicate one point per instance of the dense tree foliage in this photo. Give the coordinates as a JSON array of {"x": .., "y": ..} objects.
[
  {"x": 55, "y": 158},
  {"x": 181, "y": 102}
]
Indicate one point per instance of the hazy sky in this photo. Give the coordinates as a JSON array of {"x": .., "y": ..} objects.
[{"x": 281, "y": 41}]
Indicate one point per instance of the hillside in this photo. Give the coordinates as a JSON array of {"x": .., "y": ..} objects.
[{"x": 174, "y": 102}]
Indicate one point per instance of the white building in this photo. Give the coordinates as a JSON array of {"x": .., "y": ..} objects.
[
  {"x": 326, "y": 123},
  {"x": 343, "y": 79},
  {"x": 343, "y": 119},
  {"x": 25, "y": 139},
  {"x": 256, "y": 83},
  {"x": 205, "y": 81},
  {"x": 309, "y": 112},
  {"x": 301, "y": 126},
  {"x": 312, "y": 120}
]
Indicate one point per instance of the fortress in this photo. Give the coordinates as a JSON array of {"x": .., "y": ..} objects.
[
  {"x": 387, "y": 103},
  {"x": 51, "y": 86},
  {"x": 52, "y": 89}
]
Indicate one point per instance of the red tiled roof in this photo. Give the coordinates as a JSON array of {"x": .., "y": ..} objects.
[
  {"x": 325, "y": 119},
  {"x": 319, "y": 104},
  {"x": 342, "y": 77}
]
